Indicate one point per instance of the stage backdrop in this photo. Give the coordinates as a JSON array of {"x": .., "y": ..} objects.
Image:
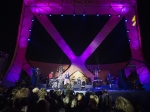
[{"x": 46, "y": 68}]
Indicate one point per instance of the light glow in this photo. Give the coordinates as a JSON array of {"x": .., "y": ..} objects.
[{"x": 134, "y": 20}]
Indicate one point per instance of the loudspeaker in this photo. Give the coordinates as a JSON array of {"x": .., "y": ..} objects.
[
  {"x": 126, "y": 85},
  {"x": 121, "y": 78},
  {"x": 88, "y": 81},
  {"x": 114, "y": 86}
]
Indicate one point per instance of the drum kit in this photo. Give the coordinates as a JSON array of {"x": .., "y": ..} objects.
[
  {"x": 56, "y": 83},
  {"x": 97, "y": 83}
]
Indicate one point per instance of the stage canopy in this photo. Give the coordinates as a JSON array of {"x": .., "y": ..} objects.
[{"x": 78, "y": 34}]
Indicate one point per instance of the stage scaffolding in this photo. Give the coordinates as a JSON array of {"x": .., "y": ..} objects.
[{"x": 140, "y": 68}]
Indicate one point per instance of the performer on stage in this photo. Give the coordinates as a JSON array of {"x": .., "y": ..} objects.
[
  {"x": 96, "y": 71},
  {"x": 60, "y": 70},
  {"x": 109, "y": 79},
  {"x": 51, "y": 76},
  {"x": 35, "y": 78},
  {"x": 79, "y": 80},
  {"x": 67, "y": 78},
  {"x": 60, "y": 81}
]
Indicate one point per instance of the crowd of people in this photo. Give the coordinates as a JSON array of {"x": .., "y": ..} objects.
[{"x": 30, "y": 99}]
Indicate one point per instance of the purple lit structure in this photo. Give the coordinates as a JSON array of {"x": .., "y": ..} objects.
[{"x": 117, "y": 9}]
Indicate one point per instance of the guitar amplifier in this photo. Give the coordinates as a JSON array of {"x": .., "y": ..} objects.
[
  {"x": 77, "y": 86},
  {"x": 88, "y": 86}
]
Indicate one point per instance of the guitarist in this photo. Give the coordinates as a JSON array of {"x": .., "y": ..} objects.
[
  {"x": 67, "y": 78},
  {"x": 109, "y": 80}
]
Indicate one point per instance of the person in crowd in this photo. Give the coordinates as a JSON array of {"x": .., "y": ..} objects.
[
  {"x": 34, "y": 95},
  {"x": 33, "y": 99},
  {"x": 70, "y": 103},
  {"x": 123, "y": 104},
  {"x": 3, "y": 100},
  {"x": 80, "y": 102},
  {"x": 20, "y": 99},
  {"x": 106, "y": 102},
  {"x": 42, "y": 104},
  {"x": 93, "y": 104}
]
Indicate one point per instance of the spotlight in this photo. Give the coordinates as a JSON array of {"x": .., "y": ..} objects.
[
  {"x": 127, "y": 30},
  {"x": 97, "y": 14},
  {"x": 50, "y": 15},
  {"x": 109, "y": 15},
  {"x": 126, "y": 20},
  {"x": 28, "y": 39},
  {"x": 32, "y": 19},
  {"x": 119, "y": 15},
  {"x": 83, "y": 14},
  {"x": 62, "y": 15},
  {"x": 74, "y": 15},
  {"x": 30, "y": 30},
  {"x": 129, "y": 40}
]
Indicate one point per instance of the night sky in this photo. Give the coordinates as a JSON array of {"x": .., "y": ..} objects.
[{"x": 10, "y": 16}]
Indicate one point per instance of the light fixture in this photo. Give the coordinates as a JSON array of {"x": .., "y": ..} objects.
[
  {"x": 109, "y": 15},
  {"x": 32, "y": 19},
  {"x": 97, "y": 14},
  {"x": 74, "y": 15},
  {"x": 119, "y": 15},
  {"x": 50, "y": 15},
  {"x": 83, "y": 14},
  {"x": 30, "y": 30},
  {"x": 62, "y": 15},
  {"x": 126, "y": 20},
  {"x": 129, "y": 40},
  {"x": 127, "y": 30},
  {"x": 28, "y": 39}
]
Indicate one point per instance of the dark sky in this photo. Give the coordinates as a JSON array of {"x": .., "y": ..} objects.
[{"x": 10, "y": 16}]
